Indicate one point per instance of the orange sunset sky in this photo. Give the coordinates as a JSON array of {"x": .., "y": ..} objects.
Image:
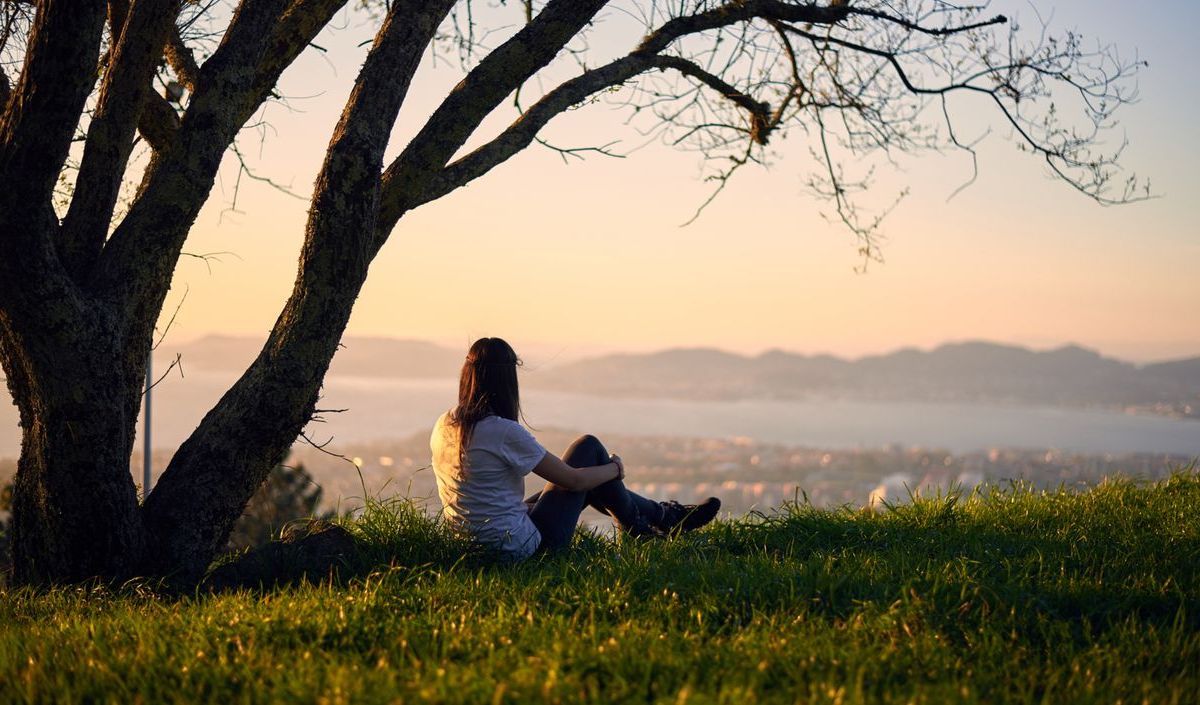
[{"x": 580, "y": 258}]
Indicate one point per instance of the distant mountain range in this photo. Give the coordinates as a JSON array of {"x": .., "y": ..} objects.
[
  {"x": 975, "y": 372},
  {"x": 1067, "y": 376}
]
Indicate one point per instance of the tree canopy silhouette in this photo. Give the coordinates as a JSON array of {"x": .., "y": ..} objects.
[{"x": 83, "y": 279}]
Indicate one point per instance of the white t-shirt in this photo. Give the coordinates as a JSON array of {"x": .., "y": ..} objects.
[{"x": 487, "y": 500}]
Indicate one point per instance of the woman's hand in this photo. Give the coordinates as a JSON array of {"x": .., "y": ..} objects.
[
  {"x": 553, "y": 469},
  {"x": 620, "y": 466}
]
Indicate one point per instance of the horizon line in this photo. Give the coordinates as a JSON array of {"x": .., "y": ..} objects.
[{"x": 607, "y": 351}]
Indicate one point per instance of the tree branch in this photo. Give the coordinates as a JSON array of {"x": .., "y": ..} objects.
[
  {"x": 760, "y": 113},
  {"x": 301, "y": 22},
  {"x": 917, "y": 27},
  {"x": 41, "y": 116},
  {"x": 136, "y": 263},
  {"x": 521, "y": 132},
  {"x": 41, "y": 310},
  {"x": 741, "y": 11},
  {"x": 110, "y": 135},
  {"x": 500, "y": 73},
  {"x": 182, "y": 62},
  {"x": 890, "y": 57},
  {"x": 462, "y": 112},
  {"x": 1005, "y": 84},
  {"x": 5, "y": 91},
  {"x": 412, "y": 192}
]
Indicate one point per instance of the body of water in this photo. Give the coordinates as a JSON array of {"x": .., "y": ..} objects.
[{"x": 382, "y": 408}]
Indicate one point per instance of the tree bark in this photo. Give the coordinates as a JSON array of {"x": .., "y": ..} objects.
[{"x": 75, "y": 509}]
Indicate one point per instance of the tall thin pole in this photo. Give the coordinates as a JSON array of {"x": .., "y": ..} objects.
[{"x": 146, "y": 428}]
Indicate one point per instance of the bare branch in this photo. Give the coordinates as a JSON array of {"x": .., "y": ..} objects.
[
  {"x": 969, "y": 148},
  {"x": 738, "y": 11},
  {"x": 40, "y": 119},
  {"x": 532, "y": 48},
  {"x": 760, "y": 113},
  {"x": 722, "y": 179},
  {"x": 568, "y": 153},
  {"x": 146, "y": 244},
  {"x": 500, "y": 73},
  {"x": 167, "y": 328},
  {"x": 518, "y": 135},
  {"x": 177, "y": 362},
  {"x": 123, "y": 93},
  {"x": 839, "y": 188},
  {"x": 181, "y": 60},
  {"x": 244, "y": 170},
  {"x": 932, "y": 31},
  {"x": 18, "y": 17},
  {"x": 892, "y": 58},
  {"x": 1021, "y": 80},
  {"x": 525, "y": 129}
]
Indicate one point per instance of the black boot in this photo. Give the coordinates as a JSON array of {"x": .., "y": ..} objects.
[{"x": 677, "y": 518}]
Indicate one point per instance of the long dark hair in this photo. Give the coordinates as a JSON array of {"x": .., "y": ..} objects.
[{"x": 487, "y": 387}]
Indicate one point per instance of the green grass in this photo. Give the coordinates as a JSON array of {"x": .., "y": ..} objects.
[{"x": 1010, "y": 596}]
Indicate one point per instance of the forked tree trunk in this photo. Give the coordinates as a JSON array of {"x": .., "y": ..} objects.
[
  {"x": 75, "y": 506},
  {"x": 216, "y": 471},
  {"x": 76, "y": 510}
]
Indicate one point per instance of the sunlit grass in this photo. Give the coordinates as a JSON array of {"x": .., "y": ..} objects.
[{"x": 1012, "y": 595}]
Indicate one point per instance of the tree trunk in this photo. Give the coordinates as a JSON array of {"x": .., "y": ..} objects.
[
  {"x": 212, "y": 476},
  {"x": 75, "y": 509},
  {"x": 216, "y": 471}
]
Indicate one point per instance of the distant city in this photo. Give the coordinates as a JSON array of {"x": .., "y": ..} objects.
[{"x": 747, "y": 475}]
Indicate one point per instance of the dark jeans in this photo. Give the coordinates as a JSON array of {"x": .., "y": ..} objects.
[{"x": 555, "y": 510}]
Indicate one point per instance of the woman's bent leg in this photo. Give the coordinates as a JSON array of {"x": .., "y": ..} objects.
[
  {"x": 555, "y": 514},
  {"x": 632, "y": 512},
  {"x": 555, "y": 510}
]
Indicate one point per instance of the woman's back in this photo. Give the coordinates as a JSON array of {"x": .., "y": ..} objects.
[{"x": 485, "y": 499}]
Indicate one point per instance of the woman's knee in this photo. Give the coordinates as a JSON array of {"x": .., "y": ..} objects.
[
  {"x": 586, "y": 450},
  {"x": 587, "y": 440}
]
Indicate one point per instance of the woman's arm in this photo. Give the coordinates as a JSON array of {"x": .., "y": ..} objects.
[{"x": 553, "y": 469}]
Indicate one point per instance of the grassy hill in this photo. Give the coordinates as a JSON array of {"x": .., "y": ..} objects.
[{"x": 1011, "y": 596}]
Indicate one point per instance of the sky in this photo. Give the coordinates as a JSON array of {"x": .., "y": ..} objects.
[{"x": 569, "y": 260}]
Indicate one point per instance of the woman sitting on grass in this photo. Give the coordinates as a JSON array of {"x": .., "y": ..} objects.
[{"x": 481, "y": 455}]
